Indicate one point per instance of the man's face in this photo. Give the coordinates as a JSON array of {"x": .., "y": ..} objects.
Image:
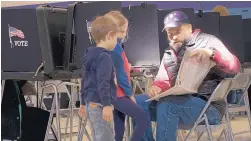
[{"x": 178, "y": 35}]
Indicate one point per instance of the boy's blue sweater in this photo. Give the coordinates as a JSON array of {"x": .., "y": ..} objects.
[{"x": 98, "y": 84}]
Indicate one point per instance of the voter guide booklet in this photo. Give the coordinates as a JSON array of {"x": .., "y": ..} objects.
[{"x": 190, "y": 76}]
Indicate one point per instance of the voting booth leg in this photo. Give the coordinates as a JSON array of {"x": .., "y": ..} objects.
[{"x": 55, "y": 105}]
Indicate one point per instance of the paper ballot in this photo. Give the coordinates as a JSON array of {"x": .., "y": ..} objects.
[{"x": 190, "y": 76}]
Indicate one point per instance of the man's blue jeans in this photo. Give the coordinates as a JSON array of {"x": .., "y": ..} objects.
[{"x": 171, "y": 111}]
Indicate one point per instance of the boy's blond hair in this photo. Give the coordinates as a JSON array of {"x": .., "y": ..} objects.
[
  {"x": 101, "y": 26},
  {"x": 118, "y": 18}
]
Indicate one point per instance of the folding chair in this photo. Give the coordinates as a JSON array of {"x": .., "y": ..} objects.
[
  {"x": 61, "y": 87},
  {"x": 241, "y": 81},
  {"x": 219, "y": 93},
  {"x": 136, "y": 83}
]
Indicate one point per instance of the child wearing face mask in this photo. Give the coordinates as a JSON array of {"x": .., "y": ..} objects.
[{"x": 125, "y": 103}]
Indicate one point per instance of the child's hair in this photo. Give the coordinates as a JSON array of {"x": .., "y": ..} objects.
[
  {"x": 221, "y": 9},
  {"x": 118, "y": 18},
  {"x": 101, "y": 26}
]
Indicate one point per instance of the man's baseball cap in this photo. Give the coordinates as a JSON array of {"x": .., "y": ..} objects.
[{"x": 175, "y": 19}]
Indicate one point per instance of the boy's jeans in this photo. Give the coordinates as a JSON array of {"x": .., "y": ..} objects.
[
  {"x": 101, "y": 130},
  {"x": 172, "y": 111}
]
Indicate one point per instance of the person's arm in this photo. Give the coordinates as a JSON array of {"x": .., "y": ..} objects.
[
  {"x": 121, "y": 76},
  {"x": 225, "y": 60},
  {"x": 104, "y": 75},
  {"x": 162, "y": 79},
  {"x": 82, "y": 93}
]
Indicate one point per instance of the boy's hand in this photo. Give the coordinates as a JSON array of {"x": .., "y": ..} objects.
[
  {"x": 107, "y": 113},
  {"x": 153, "y": 91},
  {"x": 82, "y": 111}
]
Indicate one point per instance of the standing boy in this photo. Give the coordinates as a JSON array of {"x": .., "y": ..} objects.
[{"x": 98, "y": 87}]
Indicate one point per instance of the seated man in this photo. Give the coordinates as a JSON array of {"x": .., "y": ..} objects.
[{"x": 170, "y": 111}]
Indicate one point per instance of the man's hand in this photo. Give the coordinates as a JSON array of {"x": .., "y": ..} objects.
[
  {"x": 153, "y": 91},
  {"x": 133, "y": 99},
  {"x": 107, "y": 113},
  {"x": 201, "y": 54},
  {"x": 82, "y": 111}
]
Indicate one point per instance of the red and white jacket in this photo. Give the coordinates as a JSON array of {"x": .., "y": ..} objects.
[{"x": 227, "y": 63}]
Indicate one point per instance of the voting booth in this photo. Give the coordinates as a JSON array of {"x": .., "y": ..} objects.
[
  {"x": 52, "y": 27},
  {"x": 231, "y": 34},
  {"x": 142, "y": 47},
  {"x": 208, "y": 22},
  {"x": 38, "y": 47},
  {"x": 21, "y": 50},
  {"x": 84, "y": 13},
  {"x": 247, "y": 39}
]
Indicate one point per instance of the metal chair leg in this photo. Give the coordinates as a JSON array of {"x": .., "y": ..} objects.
[
  {"x": 209, "y": 132},
  {"x": 200, "y": 135},
  {"x": 248, "y": 110},
  {"x": 66, "y": 126},
  {"x": 180, "y": 135},
  {"x": 83, "y": 131},
  {"x": 222, "y": 133},
  {"x": 229, "y": 127},
  {"x": 127, "y": 129},
  {"x": 86, "y": 133},
  {"x": 80, "y": 132},
  {"x": 226, "y": 135},
  {"x": 58, "y": 116}
]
